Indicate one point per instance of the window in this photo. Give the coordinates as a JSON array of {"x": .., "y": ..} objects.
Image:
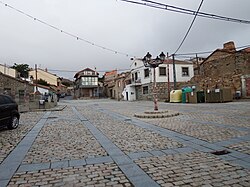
[
  {"x": 119, "y": 83},
  {"x": 162, "y": 71},
  {"x": 136, "y": 75},
  {"x": 145, "y": 90},
  {"x": 146, "y": 73},
  {"x": 89, "y": 81},
  {"x": 185, "y": 72},
  {"x": 133, "y": 77}
]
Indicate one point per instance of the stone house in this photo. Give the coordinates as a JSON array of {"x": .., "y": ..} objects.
[
  {"x": 114, "y": 84},
  {"x": 86, "y": 84},
  {"x": 18, "y": 89},
  {"x": 226, "y": 68},
  {"x": 141, "y": 87},
  {"x": 109, "y": 83}
]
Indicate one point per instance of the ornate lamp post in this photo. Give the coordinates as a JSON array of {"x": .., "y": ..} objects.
[{"x": 154, "y": 63}]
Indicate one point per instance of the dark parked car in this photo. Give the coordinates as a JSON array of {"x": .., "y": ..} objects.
[{"x": 9, "y": 115}]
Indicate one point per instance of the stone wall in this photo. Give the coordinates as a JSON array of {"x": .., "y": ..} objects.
[
  {"x": 17, "y": 89},
  {"x": 223, "y": 71},
  {"x": 161, "y": 90}
]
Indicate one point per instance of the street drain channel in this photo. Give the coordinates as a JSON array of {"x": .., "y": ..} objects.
[
  {"x": 52, "y": 117},
  {"x": 220, "y": 152}
]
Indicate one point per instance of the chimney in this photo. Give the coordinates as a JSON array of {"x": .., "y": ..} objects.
[{"x": 229, "y": 46}]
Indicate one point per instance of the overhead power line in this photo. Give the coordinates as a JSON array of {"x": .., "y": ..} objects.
[
  {"x": 176, "y": 9},
  {"x": 66, "y": 33},
  {"x": 72, "y": 71},
  {"x": 207, "y": 52},
  {"x": 189, "y": 28}
]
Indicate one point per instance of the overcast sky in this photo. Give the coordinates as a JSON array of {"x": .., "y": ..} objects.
[{"x": 113, "y": 24}]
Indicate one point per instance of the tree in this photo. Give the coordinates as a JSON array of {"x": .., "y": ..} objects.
[
  {"x": 42, "y": 82},
  {"x": 22, "y": 69}
]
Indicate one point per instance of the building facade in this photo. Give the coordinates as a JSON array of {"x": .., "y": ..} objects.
[
  {"x": 18, "y": 89},
  {"x": 50, "y": 78},
  {"x": 141, "y": 87},
  {"x": 226, "y": 68},
  {"x": 4, "y": 69},
  {"x": 86, "y": 84}
]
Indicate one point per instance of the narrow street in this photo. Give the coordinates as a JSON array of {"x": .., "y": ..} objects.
[{"x": 101, "y": 143}]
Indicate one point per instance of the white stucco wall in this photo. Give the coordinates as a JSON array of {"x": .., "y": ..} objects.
[
  {"x": 131, "y": 93},
  {"x": 7, "y": 71},
  {"x": 139, "y": 68}
]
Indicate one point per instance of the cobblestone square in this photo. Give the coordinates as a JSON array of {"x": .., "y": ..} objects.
[{"x": 101, "y": 143}]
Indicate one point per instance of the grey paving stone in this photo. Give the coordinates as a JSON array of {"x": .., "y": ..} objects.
[
  {"x": 169, "y": 151},
  {"x": 237, "y": 154},
  {"x": 60, "y": 164},
  {"x": 213, "y": 146},
  {"x": 197, "y": 141},
  {"x": 227, "y": 157},
  {"x": 157, "y": 153},
  {"x": 139, "y": 155},
  {"x": 143, "y": 181},
  {"x": 121, "y": 160},
  {"x": 185, "y": 150},
  {"x": 201, "y": 148},
  {"x": 99, "y": 160},
  {"x": 113, "y": 151},
  {"x": 184, "y": 137},
  {"x": 74, "y": 163},
  {"x": 33, "y": 167},
  {"x": 131, "y": 170},
  {"x": 3, "y": 183},
  {"x": 7, "y": 170}
]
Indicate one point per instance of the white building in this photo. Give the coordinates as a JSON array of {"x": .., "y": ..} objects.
[
  {"x": 142, "y": 78},
  {"x": 8, "y": 71}
]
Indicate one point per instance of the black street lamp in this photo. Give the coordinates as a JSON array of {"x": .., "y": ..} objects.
[{"x": 154, "y": 63}]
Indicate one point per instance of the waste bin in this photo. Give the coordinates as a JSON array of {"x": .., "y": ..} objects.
[
  {"x": 175, "y": 96},
  {"x": 200, "y": 97},
  {"x": 185, "y": 95},
  {"x": 219, "y": 95}
]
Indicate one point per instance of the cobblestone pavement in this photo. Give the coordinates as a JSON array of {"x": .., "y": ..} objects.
[
  {"x": 107, "y": 174},
  {"x": 194, "y": 169},
  {"x": 9, "y": 139},
  {"x": 65, "y": 139},
  {"x": 101, "y": 143},
  {"x": 243, "y": 147},
  {"x": 127, "y": 137}
]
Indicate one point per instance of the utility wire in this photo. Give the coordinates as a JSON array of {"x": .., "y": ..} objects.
[
  {"x": 189, "y": 28},
  {"x": 65, "y": 32},
  {"x": 207, "y": 52},
  {"x": 176, "y": 9},
  {"x": 72, "y": 71}
]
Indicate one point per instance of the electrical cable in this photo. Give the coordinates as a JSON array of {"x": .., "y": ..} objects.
[
  {"x": 176, "y": 9},
  {"x": 189, "y": 28}
]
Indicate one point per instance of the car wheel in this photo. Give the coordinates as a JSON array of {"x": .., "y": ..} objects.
[{"x": 14, "y": 122}]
